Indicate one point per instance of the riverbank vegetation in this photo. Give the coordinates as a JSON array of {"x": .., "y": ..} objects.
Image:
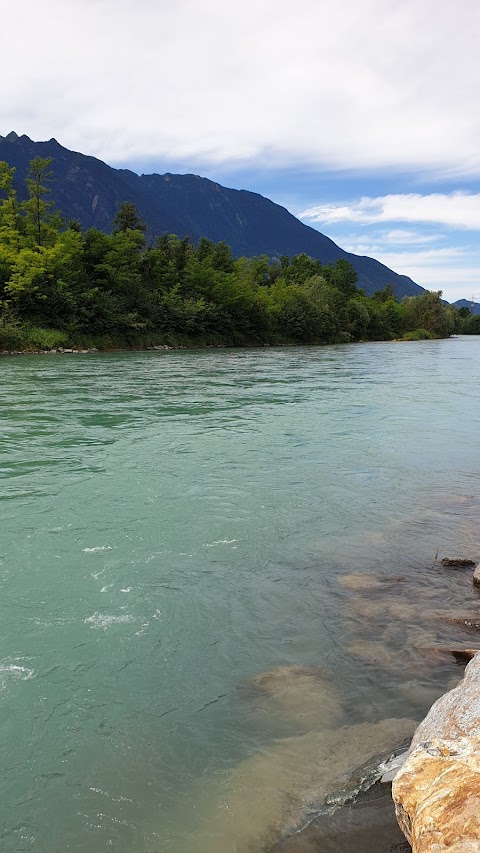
[{"x": 62, "y": 287}]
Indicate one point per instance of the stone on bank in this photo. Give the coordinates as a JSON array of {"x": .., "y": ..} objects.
[{"x": 437, "y": 791}]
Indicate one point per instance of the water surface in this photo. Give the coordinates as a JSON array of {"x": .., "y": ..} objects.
[{"x": 174, "y": 524}]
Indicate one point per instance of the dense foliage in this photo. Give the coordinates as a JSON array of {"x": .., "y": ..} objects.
[{"x": 61, "y": 287}]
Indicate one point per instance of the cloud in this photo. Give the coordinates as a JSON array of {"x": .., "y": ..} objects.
[
  {"x": 358, "y": 85},
  {"x": 401, "y": 237},
  {"x": 456, "y": 210},
  {"x": 427, "y": 258}
]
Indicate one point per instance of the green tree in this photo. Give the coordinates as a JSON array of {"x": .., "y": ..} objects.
[
  {"x": 42, "y": 223},
  {"x": 343, "y": 276},
  {"x": 127, "y": 218}
]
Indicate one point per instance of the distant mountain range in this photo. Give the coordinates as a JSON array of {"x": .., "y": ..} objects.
[
  {"x": 474, "y": 307},
  {"x": 90, "y": 191}
]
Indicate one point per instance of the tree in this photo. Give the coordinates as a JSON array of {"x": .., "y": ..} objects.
[
  {"x": 385, "y": 295},
  {"x": 10, "y": 221},
  {"x": 428, "y": 312},
  {"x": 42, "y": 223},
  {"x": 127, "y": 218},
  {"x": 343, "y": 276}
]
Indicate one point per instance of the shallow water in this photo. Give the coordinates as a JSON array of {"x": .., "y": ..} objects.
[{"x": 173, "y": 525}]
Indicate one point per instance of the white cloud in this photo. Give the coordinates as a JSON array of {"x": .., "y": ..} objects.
[
  {"x": 456, "y": 282},
  {"x": 454, "y": 270},
  {"x": 401, "y": 237},
  {"x": 420, "y": 259},
  {"x": 373, "y": 84},
  {"x": 456, "y": 210},
  {"x": 426, "y": 258}
]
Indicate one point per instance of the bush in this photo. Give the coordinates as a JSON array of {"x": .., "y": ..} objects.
[
  {"x": 417, "y": 335},
  {"x": 11, "y": 337},
  {"x": 37, "y": 338}
]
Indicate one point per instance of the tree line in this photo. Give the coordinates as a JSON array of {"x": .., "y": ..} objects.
[{"x": 60, "y": 286}]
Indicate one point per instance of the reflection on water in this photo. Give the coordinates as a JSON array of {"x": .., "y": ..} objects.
[{"x": 221, "y": 585}]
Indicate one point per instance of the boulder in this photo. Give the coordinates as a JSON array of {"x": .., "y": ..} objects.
[
  {"x": 457, "y": 563},
  {"x": 437, "y": 791},
  {"x": 476, "y": 576}
]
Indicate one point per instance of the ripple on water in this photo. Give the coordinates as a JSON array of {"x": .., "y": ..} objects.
[
  {"x": 324, "y": 467},
  {"x": 104, "y": 620}
]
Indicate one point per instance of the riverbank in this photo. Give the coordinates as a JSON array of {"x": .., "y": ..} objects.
[{"x": 201, "y": 344}]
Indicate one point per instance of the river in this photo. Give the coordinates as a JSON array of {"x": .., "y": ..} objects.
[{"x": 173, "y": 525}]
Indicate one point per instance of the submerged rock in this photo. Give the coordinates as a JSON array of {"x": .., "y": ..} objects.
[
  {"x": 363, "y": 582},
  {"x": 270, "y": 795},
  {"x": 305, "y": 694},
  {"x": 469, "y": 622},
  {"x": 367, "y": 825},
  {"x": 460, "y": 654},
  {"x": 437, "y": 791}
]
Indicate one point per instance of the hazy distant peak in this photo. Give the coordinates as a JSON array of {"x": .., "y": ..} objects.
[{"x": 12, "y": 136}]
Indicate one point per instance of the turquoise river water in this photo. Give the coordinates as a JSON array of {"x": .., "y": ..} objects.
[{"x": 175, "y": 524}]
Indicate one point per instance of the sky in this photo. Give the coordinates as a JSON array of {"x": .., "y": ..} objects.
[{"x": 360, "y": 116}]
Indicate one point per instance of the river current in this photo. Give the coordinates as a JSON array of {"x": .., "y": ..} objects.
[{"x": 174, "y": 525}]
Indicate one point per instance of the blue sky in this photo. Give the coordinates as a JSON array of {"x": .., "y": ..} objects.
[{"x": 360, "y": 116}]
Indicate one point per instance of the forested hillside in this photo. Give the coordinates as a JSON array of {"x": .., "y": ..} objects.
[
  {"x": 61, "y": 286},
  {"x": 90, "y": 191}
]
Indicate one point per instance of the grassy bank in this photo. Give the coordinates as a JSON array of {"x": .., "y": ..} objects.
[{"x": 17, "y": 337}]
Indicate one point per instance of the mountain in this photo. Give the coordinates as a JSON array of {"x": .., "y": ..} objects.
[
  {"x": 474, "y": 307},
  {"x": 89, "y": 190}
]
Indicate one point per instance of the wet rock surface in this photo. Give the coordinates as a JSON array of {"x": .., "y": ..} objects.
[
  {"x": 437, "y": 791},
  {"x": 457, "y": 563}
]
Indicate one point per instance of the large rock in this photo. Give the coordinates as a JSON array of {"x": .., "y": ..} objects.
[{"x": 437, "y": 792}]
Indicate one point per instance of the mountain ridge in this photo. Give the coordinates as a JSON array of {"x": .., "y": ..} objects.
[
  {"x": 91, "y": 191},
  {"x": 472, "y": 306}
]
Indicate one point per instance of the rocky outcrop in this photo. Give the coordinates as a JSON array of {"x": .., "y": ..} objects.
[{"x": 437, "y": 791}]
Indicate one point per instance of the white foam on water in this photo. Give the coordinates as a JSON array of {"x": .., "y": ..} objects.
[
  {"x": 104, "y": 620},
  {"x": 126, "y": 589},
  {"x": 220, "y": 542},
  {"x": 113, "y": 799},
  {"x": 97, "y": 549},
  {"x": 21, "y": 673}
]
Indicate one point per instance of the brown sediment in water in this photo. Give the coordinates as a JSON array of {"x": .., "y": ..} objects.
[
  {"x": 363, "y": 581},
  {"x": 267, "y": 797},
  {"x": 305, "y": 694}
]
